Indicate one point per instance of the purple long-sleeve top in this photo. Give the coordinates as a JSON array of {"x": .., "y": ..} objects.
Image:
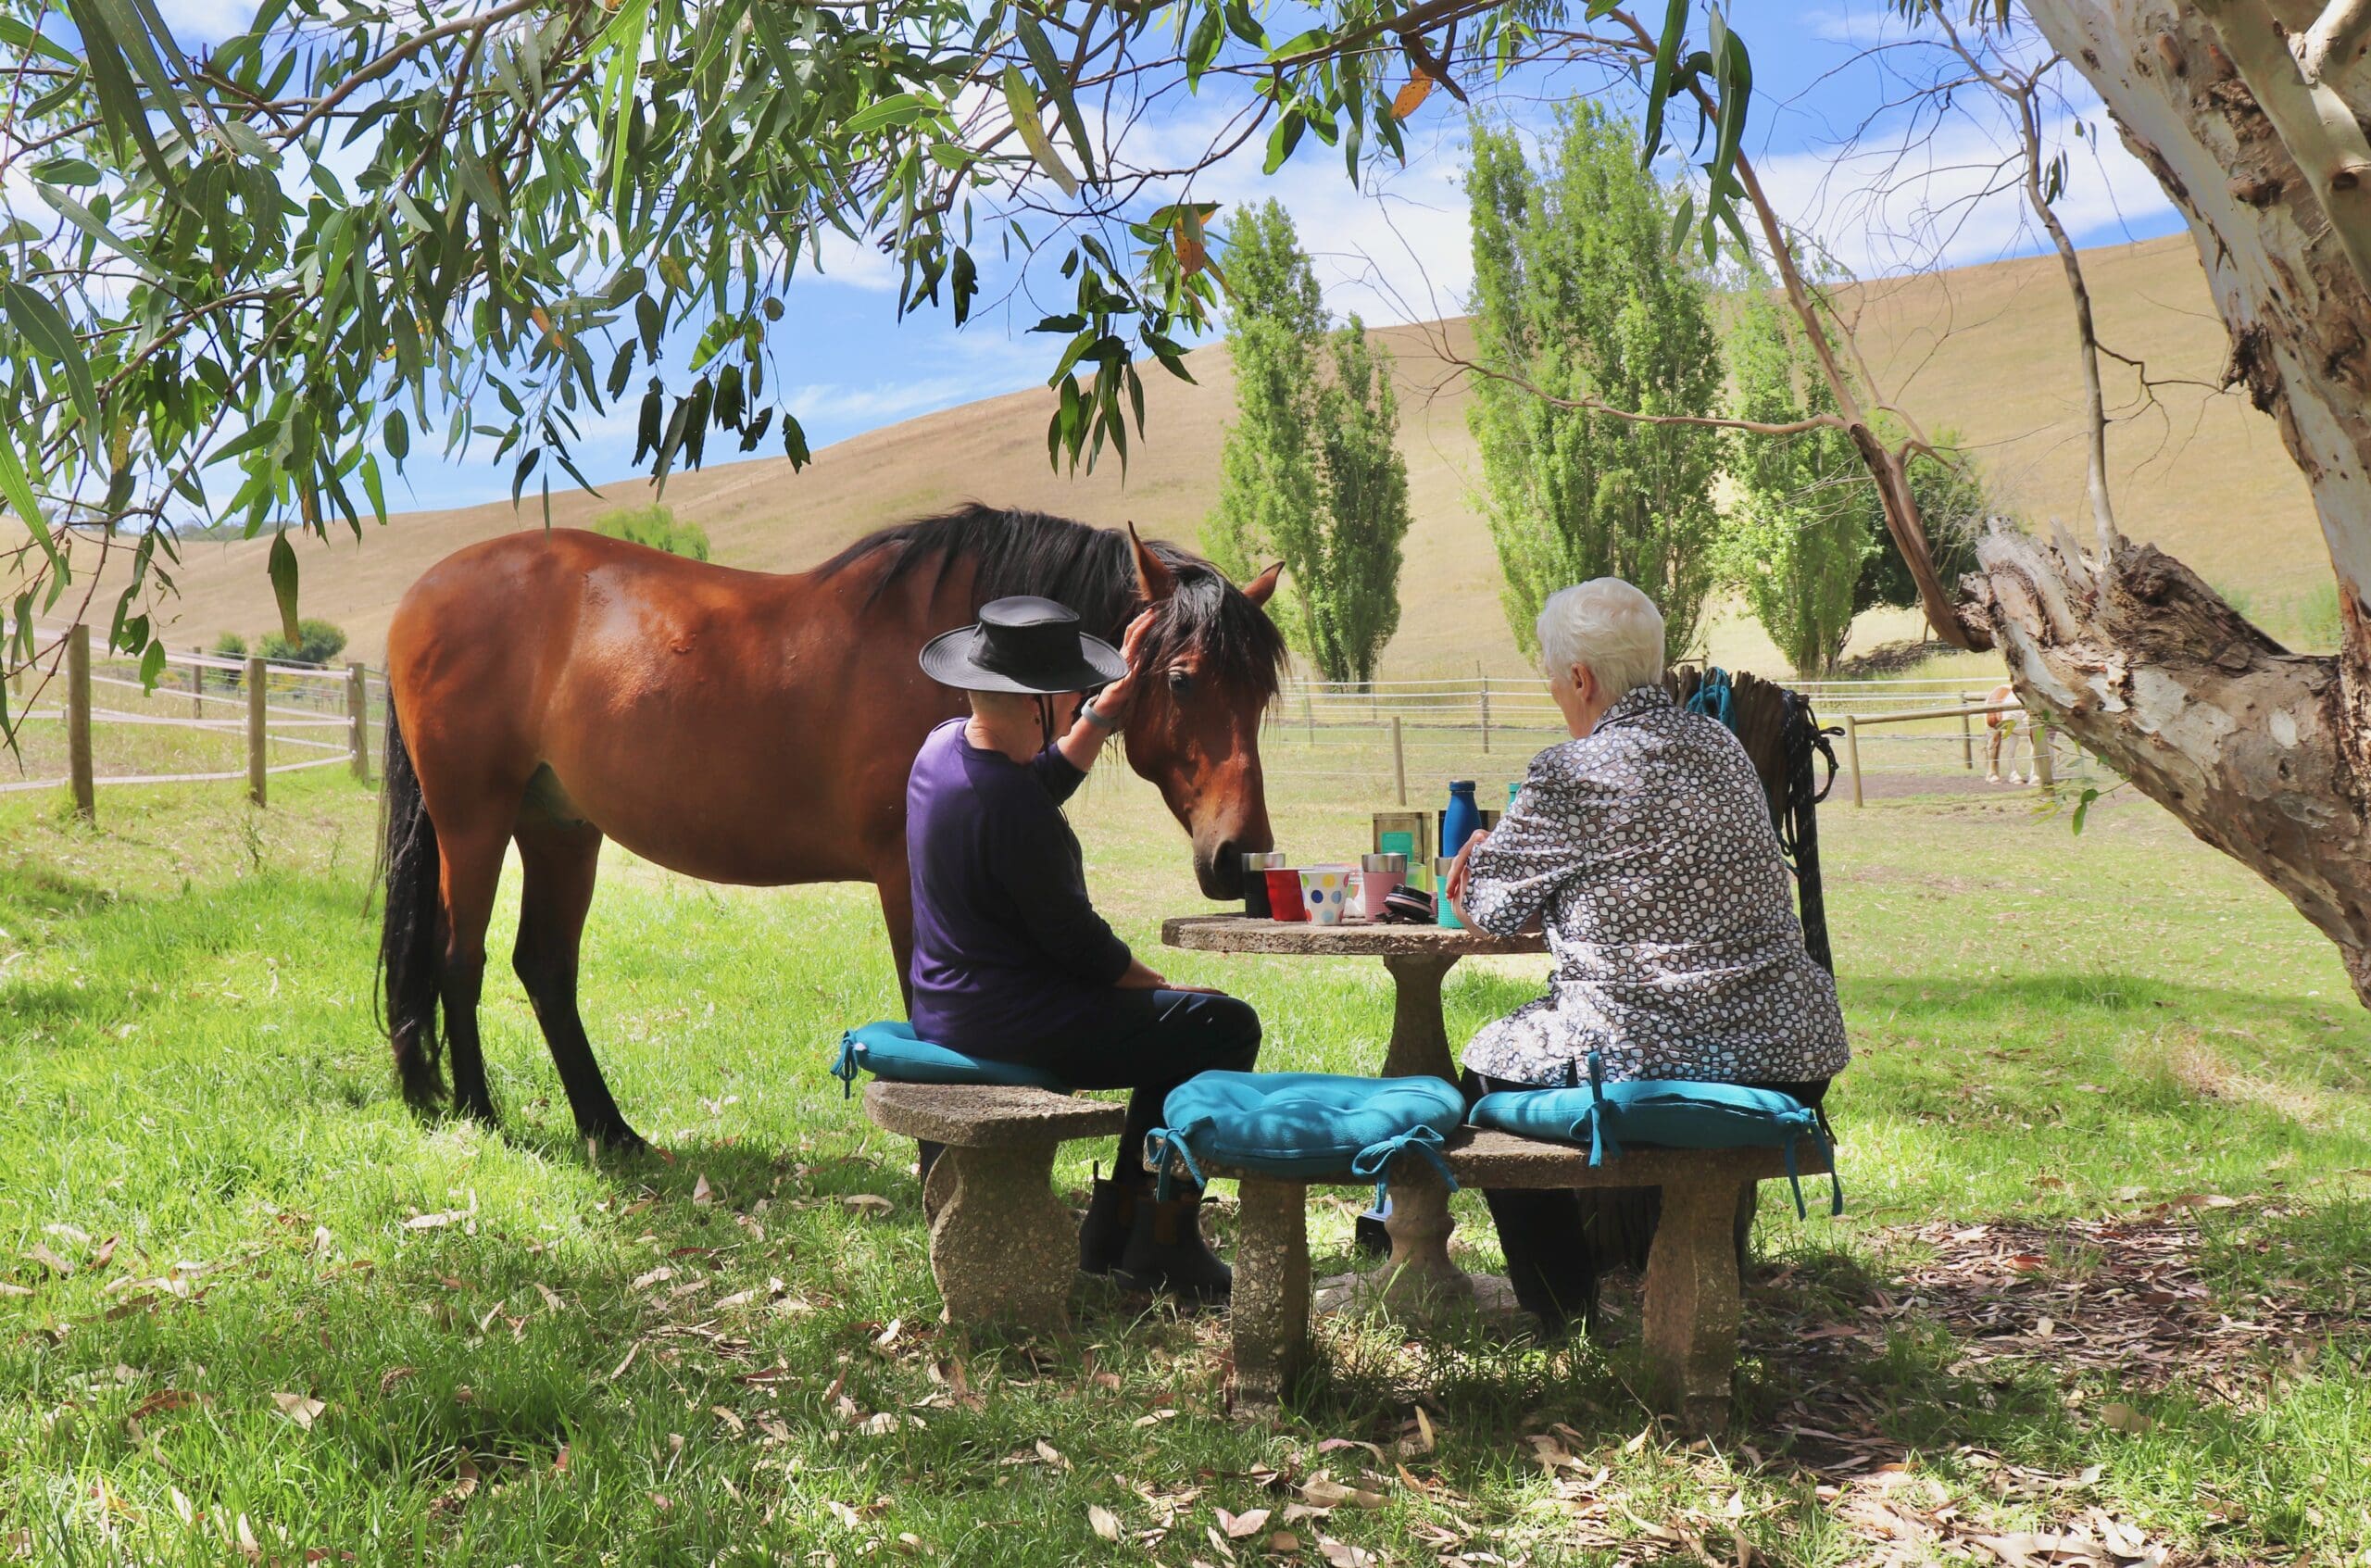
[{"x": 1006, "y": 944}]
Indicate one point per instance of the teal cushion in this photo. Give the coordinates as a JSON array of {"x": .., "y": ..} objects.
[
  {"x": 1310, "y": 1124},
  {"x": 1666, "y": 1113},
  {"x": 892, "y": 1050}
]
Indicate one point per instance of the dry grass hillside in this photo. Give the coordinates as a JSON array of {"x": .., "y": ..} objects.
[{"x": 1983, "y": 349}]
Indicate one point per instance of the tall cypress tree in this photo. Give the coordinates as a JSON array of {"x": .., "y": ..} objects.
[
  {"x": 1800, "y": 533},
  {"x": 1310, "y": 473},
  {"x": 1577, "y": 293}
]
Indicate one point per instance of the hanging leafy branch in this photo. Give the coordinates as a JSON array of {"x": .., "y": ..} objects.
[{"x": 241, "y": 284}]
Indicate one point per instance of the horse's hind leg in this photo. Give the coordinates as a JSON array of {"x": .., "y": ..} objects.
[
  {"x": 473, "y": 867},
  {"x": 560, "y": 860}
]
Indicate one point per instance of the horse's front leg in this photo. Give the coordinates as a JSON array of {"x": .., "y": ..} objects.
[{"x": 560, "y": 861}]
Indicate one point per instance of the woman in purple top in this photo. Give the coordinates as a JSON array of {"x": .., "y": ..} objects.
[{"x": 1011, "y": 960}]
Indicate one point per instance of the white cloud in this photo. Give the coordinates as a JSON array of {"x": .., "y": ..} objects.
[
  {"x": 1395, "y": 247},
  {"x": 1903, "y": 199},
  {"x": 205, "y": 20},
  {"x": 833, "y": 257}
]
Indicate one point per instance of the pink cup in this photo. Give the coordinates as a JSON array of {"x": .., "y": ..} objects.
[
  {"x": 1283, "y": 893},
  {"x": 1379, "y": 876}
]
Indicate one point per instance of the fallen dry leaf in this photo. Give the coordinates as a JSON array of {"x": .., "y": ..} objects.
[
  {"x": 702, "y": 1194},
  {"x": 464, "y": 1487},
  {"x": 8, "y": 1288},
  {"x": 299, "y": 1407},
  {"x": 393, "y": 1375},
  {"x": 1106, "y": 1522},
  {"x": 438, "y": 1220},
  {"x": 867, "y": 1203},
  {"x": 48, "y": 1260},
  {"x": 2124, "y": 1418},
  {"x": 166, "y": 1399},
  {"x": 1239, "y": 1526}
]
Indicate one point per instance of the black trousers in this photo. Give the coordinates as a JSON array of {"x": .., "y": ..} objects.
[
  {"x": 1150, "y": 1042},
  {"x": 1559, "y": 1241}
]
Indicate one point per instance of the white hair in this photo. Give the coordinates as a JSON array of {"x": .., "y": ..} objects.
[{"x": 1608, "y": 626}]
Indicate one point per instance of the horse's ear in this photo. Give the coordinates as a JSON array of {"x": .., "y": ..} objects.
[
  {"x": 1262, "y": 587},
  {"x": 1154, "y": 580}
]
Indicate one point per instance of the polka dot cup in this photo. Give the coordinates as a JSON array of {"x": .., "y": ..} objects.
[{"x": 1322, "y": 889}]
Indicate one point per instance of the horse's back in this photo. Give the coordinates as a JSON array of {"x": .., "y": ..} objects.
[{"x": 693, "y": 713}]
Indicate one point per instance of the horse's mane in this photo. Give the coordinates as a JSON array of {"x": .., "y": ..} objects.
[{"x": 1093, "y": 572}]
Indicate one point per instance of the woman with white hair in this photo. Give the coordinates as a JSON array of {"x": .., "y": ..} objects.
[{"x": 1643, "y": 848}]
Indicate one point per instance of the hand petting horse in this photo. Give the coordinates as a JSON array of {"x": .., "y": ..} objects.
[{"x": 557, "y": 688}]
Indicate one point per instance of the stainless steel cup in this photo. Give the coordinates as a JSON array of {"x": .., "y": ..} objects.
[
  {"x": 1379, "y": 875},
  {"x": 1257, "y": 863}
]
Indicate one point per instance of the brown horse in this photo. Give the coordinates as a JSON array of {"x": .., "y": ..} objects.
[{"x": 560, "y": 688}]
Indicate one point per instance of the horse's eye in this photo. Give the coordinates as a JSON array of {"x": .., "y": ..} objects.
[{"x": 1181, "y": 684}]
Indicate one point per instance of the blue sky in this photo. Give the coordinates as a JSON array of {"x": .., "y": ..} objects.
[{"x": 1841, "y": 156}]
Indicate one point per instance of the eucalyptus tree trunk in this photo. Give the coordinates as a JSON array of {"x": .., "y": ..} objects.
[{"x": 2262, "y": 753}]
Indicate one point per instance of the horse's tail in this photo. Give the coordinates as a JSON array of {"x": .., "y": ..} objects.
[{"x": 410, "y": 959}]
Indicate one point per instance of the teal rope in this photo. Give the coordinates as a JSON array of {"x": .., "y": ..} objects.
[
  {"x": 845, "y": 1065},
  {"x": 1713, "y": 699},
  {"x": 1159, "y": 1143},
  {"x": 1376, "y": 1158}
]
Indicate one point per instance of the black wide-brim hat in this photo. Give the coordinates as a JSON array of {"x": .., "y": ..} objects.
[{"x": 1023, "y": 644}]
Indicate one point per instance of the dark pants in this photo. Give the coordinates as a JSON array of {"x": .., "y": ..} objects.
[
  {"x": 1559, "y": 1240},
  {"x": 1149, "y": 1041}
]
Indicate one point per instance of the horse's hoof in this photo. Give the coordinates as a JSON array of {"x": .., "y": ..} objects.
[{"x": 619, "y": 1139}]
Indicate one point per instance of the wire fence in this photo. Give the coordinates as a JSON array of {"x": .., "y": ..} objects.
[
  {"x": 86, "y": 719},
  {"x": 1402, "y": 740}
]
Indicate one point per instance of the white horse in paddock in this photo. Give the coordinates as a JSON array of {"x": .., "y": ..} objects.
[{"x": 2007, "y": 729}]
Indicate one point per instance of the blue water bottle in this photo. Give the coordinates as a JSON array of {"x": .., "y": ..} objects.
[{"x": 1462, "y": 821}]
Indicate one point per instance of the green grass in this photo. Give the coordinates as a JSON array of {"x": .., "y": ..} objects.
[{"x": 2051, "y": 1032}]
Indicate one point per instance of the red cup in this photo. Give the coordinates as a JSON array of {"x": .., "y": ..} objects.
[{"x": 1283, "y": 893}]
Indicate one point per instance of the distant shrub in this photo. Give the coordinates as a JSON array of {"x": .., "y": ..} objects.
[
  {"x": 317, "y": 642},
  {"x": 230, "y": 644},
  {"x": 655, "y": 526}
]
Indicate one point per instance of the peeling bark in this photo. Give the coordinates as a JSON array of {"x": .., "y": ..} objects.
[
  {"x": 2145, "y": 665},
  {"x": 2261, "y": 753}
]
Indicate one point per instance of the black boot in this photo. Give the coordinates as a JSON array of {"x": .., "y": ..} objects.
[
  {"x": 1111, "y": 1215},
  {"x": 1166, "y": 1251}
]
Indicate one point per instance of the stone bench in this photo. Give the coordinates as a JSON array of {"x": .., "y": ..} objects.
[
  {"x": 1002, "y": 1246},
  {"x": 1692, "y": 1307}
]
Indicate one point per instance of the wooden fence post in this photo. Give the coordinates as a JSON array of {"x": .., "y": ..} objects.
[
  {"x": 197, "y": 686},
  {"x": 2045, "y": 774},
  {"x": 1486, "y": 708},
  {"x": 1967, "y": 733},
  {"x": 256, "y": 749},
  {"x": 1308, "y": 713},
  {"x": 1852, "y": 756},
  {"x": 77, "y": 721},
  {"x": 357, "y": 718},
  {"x": 1399, "y": 762}
]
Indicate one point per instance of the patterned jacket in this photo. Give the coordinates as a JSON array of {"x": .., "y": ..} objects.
[{"x": 1646, "y": 851}]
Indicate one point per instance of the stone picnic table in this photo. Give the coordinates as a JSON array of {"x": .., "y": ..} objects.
[
  {"x": 1419, "y": 958},
  {"x": 1693, "y": 1304}
]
